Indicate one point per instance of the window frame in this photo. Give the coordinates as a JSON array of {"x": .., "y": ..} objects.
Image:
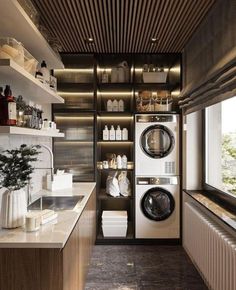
[{"x": 223, "y": 198}]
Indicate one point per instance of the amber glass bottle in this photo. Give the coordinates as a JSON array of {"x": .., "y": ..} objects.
[{"x": 8, "y": 115}]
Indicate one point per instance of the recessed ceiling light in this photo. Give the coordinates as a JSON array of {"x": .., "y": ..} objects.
[
  {"x": 89, "y": 40},
  {"x": 153, "y": 39}
]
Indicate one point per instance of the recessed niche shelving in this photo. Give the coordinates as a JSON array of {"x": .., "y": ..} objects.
[{"x": 101, "y": 93}]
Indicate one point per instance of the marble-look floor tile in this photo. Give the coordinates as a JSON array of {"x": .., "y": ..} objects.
[{"x": 142, "y": 267}]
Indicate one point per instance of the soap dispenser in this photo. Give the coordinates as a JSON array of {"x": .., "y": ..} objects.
[
  {"x": 45, "y": 71},
  {"x": 118, "y": 133},
  {"x": 112, "y": 133},
  {"x": 105, "y": 133}
]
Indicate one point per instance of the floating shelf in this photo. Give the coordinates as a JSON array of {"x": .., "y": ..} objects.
[
  {"x": 27, "y": 131},
  {"x": 14, "y": 22},
  {"x": 116, "y": 141},
  {"x": 26, "y": 84},
  {"x": 115, "y": 114},
  {"x": 155, "y": 86},
  {"x": 112, "y": 169}
]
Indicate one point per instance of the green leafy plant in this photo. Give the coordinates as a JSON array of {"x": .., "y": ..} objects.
[
  {"x": 229, "y": 161},
  {"x": 15, "y": 167}
]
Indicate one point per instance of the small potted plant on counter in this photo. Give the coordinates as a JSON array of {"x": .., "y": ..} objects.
[{"x": 15, "y": 174}]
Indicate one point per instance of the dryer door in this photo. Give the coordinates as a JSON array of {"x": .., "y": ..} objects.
[
  {"x": 157, "y": 141},
  {"x": 157, "y": 204}
]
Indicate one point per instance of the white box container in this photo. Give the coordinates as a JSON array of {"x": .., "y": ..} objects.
[
  {"x": 114, "y": 223},
  {"x": 12, "y": 49},
  {"x": 60, "y": 181},
  {"x": 114, "y": 231},
  {"x": 154, "y": 77},
  {"x": 114, "y": 215}
]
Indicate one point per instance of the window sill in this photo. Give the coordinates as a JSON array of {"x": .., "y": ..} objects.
[{"x": 226, "y": 216}]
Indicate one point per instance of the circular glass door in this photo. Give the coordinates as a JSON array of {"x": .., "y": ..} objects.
[
  {"x": 157, "y": 141},
  {"x": 157, "y": 204}
]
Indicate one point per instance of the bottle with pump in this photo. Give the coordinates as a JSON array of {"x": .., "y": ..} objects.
[
  {"x": 112, "y": 134},
  {"x": 124, "y": 134},
  {"x": 105, "y": 133},
  {"x": 8, "y": 115},
  {"x": 45, "y": 71},
  {"x": 118, "y": 133},
  {"x": 104, "y": 77}
]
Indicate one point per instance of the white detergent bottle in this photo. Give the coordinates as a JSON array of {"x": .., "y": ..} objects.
[
  {"x": 124, "y": 134},
  {"x": 115, "y": 106},
  {"x": 124, "y": 161},
  {"x": 118, "y": 133},
  {"x": 119, "y": 162},
  {"x": 109, "y": 106},
  {"x": 112, "y": 133},
  {"x": 121, "y": 107},
  {"x": 105, "y": 133}
]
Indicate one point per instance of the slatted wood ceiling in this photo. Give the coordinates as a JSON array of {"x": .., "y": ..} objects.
[{"x": 122, "y": 26}]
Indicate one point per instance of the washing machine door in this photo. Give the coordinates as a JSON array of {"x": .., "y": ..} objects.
[
  {"x": 157, "y": 204},
  {"x": 157, "y": 141}
]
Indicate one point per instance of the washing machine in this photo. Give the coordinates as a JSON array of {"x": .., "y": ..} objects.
[
  {"x": 156, "y": 144},
  {"x": 157, "y": 202}
]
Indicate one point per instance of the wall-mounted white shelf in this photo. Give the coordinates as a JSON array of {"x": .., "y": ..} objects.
[
  {"x": 12, "y": 130},
  {"x": 25, "y": 84},
  {"x": 14, "y": 22}
]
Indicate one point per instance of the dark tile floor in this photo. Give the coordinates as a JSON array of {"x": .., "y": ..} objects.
[{"x": 142, "y": 268}]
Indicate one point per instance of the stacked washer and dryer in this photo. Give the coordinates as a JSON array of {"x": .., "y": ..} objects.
[{"x": 157, "y": 210}]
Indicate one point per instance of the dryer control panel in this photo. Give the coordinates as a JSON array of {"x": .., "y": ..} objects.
[
  {"x": 156, "y": 118},
  {"x": 172, "y": 180}
]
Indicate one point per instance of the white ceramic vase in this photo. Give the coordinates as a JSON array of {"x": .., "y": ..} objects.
[{"x": 13, "y": 209}]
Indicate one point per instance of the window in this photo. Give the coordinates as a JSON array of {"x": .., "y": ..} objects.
[{"x": 220, "y": 146}]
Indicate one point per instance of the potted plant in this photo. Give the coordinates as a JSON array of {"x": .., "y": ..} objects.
[{"x": 15, "y": 173}]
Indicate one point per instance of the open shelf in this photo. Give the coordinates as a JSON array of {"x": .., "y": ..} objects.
[
  {"x": 15, "y": 22},
  {"x": 26, "y": 84},
  {"x": 116, "y": 86},
  {"x": 115, "y": 114},
  {"x": 116, "y": 141},
  {"x": 27, "y": 131},
  {"x": 155, "y": 86},
  {"x": 103, "y": 195},
  {"x": 112, "y": 169}
]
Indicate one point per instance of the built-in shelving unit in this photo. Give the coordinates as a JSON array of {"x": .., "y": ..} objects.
[
  {"x": 14, "y": 22},
  {"x": 78, "y": 88},
  {"x": 26, "y": 84},
  {"x": 13, "y": 130}
]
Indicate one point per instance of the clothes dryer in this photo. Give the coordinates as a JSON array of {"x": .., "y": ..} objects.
[{"x": 156, "y": 144}]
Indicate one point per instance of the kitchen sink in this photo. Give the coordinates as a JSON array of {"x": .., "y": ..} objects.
[{"x": 56, "y": 203}]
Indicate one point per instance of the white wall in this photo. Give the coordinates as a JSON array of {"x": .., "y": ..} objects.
[
  {"x": 192, "y": 151},
  {"x": 11, "y": 142}
]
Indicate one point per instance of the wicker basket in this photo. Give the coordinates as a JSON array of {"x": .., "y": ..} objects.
[{"x": 154, "y": 77}]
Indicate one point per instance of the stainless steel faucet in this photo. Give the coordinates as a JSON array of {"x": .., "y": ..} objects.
[
  {"x": 51, "y": 159},
  {"x": 51, "y": 171}
]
